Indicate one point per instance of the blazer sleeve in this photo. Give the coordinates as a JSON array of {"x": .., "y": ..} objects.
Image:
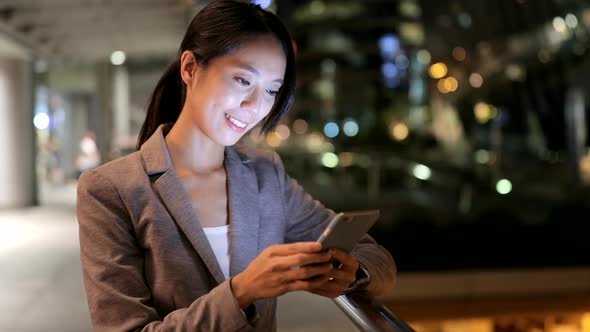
[
  {"x": 306, "y": 220},
  {"x": 113, "y": 264}
]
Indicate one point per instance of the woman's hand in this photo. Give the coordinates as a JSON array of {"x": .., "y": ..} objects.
[
  {"x": 280, "y": 269},
  {"x": 339, "y": 279}
]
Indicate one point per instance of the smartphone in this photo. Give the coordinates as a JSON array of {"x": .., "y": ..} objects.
[{"x": 347, "y": 228}]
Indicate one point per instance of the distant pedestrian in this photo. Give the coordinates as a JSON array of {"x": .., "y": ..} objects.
[{"x": 88, "y": 154}]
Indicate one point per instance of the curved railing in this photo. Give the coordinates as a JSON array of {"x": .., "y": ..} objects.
[{"x": 369, "y": 315}]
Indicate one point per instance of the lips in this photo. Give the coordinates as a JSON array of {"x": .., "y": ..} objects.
[{"x": 237, "y": 123}]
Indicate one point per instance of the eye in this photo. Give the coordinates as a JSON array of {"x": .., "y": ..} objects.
[
  {"x": 243, "y": 81},
  {"x": 272, "y": 92}
]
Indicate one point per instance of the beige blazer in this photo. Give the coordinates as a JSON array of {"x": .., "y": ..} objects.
[{"x": 147, "y": 263}]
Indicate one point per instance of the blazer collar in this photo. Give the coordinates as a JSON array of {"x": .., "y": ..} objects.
[
  {"x": 155, "y": 153},
  {"x": 244, "y": 209},
  {"x": 243, "y": 203}
]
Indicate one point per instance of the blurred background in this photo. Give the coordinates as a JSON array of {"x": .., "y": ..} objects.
[{"x": 464, "y": 122}]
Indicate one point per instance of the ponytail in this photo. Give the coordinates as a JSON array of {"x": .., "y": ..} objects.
[{"x": 165, "y": 103}]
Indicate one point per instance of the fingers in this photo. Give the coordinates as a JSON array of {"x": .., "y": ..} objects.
[
  {"x": 331, "y": 288},
  {"x": 286, "y": 256},
  {"x": 306, "y": 284},
  {"x": 302, "y": 259},
  {"x": 291, "y": 267},
  {"x": 302, "y": 266},
  {"x": 309, "y": 271},
  {"x": 294, "y": 248},
  {"x": 341, "y": 279},
  {"x": 349, "y": 263}
]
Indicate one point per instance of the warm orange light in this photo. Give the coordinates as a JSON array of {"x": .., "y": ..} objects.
[
  {"x": 442, "y": 87},
  {"x": 399, "y": 131},
  {"x": 468, "y": 325},
  {"x": 438, "y": 70},
  {"x": 451, "y": 84},
  {"x": 586, "y": 322},
  {"x": 273, "y": 139}
]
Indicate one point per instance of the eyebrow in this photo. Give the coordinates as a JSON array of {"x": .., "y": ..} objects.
[{"x": 256, "y": 72}]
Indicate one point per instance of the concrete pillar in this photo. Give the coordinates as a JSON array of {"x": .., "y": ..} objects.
[
  {"x": 121, "y": 117},
  {"x": 17, "y": 144},
  {"x": 104, "y": 139}
]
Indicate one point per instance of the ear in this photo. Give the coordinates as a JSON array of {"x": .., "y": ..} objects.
[{"x": 188, "y": 67}]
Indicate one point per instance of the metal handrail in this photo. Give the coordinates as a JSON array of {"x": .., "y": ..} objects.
[{"x": 369, "y": 315}]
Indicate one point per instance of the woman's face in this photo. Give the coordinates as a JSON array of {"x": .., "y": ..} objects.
[{"x": 236, "y": 91}]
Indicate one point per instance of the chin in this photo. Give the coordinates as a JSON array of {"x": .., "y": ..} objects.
[
  {"x": 226, "y": 137},
  {"x": 228, "y": 140}
]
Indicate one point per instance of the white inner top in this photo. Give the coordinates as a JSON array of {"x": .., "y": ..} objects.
[{"x": 219, "y": 241}]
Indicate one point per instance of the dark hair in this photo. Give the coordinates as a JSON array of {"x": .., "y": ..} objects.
[{"x": 218, "y": 29}]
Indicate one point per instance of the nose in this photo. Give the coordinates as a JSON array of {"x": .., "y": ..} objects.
[{"x": 252, "y": 102}]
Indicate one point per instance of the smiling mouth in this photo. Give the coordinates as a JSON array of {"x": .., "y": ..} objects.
[{"x": 235, "y": 121}]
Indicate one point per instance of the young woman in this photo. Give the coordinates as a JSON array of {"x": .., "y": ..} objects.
[{"x": 190, "y": 233}]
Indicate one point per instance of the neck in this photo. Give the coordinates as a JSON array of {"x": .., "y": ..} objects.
[{"x": 190, "y": 149}]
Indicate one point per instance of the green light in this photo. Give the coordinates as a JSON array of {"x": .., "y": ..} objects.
[
  {"x": 422, "y": 172},
  {"x": 503, "y": 186},
  {"x": 330, "y": 160}
]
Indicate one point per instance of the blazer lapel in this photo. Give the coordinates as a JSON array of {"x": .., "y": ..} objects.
[
  {"x": 175, "y": 197},
  {"x": 243, "y": 201}
]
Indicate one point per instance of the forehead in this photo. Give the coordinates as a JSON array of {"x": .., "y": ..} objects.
[{"x": 263, "y": 54}]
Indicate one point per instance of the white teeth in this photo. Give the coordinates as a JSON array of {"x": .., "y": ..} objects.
[{"x": 236, "y": 122}]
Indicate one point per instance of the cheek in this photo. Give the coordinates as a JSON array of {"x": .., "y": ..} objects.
[
  {"x": 225, "y": 97},
  {"x": 267, "y": 108},
  {"x": 212, "y": 103},
  {"x": 215, "y": 95}
]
